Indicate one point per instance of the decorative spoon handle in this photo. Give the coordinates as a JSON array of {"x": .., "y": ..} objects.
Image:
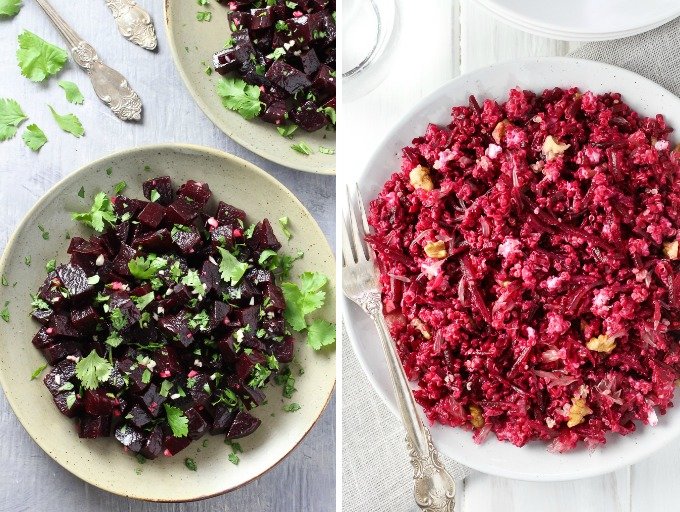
[
  {"x": 110, "y": 86},
  {"x": 134, "y": 23},
  {"x": 433, "y": 487}
]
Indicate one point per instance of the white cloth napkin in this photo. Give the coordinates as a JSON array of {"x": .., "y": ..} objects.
[{"x": 376, "y": 474}]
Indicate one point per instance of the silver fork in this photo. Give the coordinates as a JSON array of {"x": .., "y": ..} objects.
[{"x": 434, "y": 489}]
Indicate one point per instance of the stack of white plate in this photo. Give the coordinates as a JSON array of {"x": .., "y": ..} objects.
[{"x": 584, "y": 20}]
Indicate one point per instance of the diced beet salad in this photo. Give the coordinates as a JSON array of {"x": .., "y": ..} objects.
[
  {"x": 528, "y": 254},
  {"x": 167, "y": 325},
  {"x": 285, "y": 52}
]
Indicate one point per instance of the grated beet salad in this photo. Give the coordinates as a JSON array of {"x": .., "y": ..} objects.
[{"x": 528, "y": 254}]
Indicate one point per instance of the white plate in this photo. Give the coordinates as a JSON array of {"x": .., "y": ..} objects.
[
  {"x": 533, "y": 461},
  {"x": 584, "y": 20}
]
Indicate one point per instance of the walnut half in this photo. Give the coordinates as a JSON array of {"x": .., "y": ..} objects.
[{"x": 420, "y": 178}]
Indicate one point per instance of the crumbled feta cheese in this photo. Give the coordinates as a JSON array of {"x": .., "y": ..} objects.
[{"x": 493, "y": 151}]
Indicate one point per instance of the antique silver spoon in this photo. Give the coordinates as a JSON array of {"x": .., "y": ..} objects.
[
  {"x": 134, "y": 23},
  {"x": 110, "y": 86}
]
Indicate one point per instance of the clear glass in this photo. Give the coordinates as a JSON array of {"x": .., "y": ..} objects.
[{"x": 369, "y": 40}]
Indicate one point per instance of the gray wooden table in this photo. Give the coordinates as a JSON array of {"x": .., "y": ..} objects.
[{"x": 29, "y": 479}]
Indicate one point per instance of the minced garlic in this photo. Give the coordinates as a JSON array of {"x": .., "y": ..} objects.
[
  {"x": 436, "y": 250},
  {"x": 420, "y": 178},
  {"x": 602, "y": 343},
  {"x": 552, "y": 148}
]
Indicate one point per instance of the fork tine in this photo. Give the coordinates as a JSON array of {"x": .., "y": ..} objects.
[
  {"x": 348, "y": 257},
  {"x": 364, "y": 219},
  {"x": 357, "y": 230}
]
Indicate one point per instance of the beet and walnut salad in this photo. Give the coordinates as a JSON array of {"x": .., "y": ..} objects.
[
  {"x": 168, "y": 324},
  {"x": 282, "y": 54},
  {"x": 529, "y": 262}
]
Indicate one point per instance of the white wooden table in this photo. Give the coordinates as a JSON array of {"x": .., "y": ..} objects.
[
  {"x": 461, "y": 37},
  {"x": 29, "y": 480}
]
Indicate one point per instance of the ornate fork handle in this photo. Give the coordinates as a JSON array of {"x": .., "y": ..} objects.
[
  {"x": 434, "y": 489},
  {"x": 110, "y": 86},
  {"x": 134, "y": 23}
]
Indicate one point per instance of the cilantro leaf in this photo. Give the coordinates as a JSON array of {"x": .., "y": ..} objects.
[
  {"x": 231, "y": 269},
  {"x": 166, "y": 386},
  {"x": 240, "y": 97},
  {"x": 93, "y": 370},
  {"x": 233, "y": 458},
  {"x": 4, "y": 313},
  {"x": 144, "y": 300},
  {"x": 38, "y": 371},
  {"x": 114, "y": 339},
  {"x": 203, "y": 15},
  {"x": 283, "y": 222},
  {"x": 101, "y": 210},
  {"x": 291, "y": 407},
  {"x": 193, "y": 280},
  {"x": 34, "y": 137},
  {"x": 302, "y": 300},
  {"x": 190, "y": 464},
  {"x": 179, "y": 424},
  {"x": 287, "y": 131},
  {"x": 37, "y": 58},
  {"x": 320, "y": 334},
  {"x": 326, "y": 151},
  {"x": 11, "y": 116},
  {"x": 69, "y": 123},
  {"x": 10, "y": 7},
  {"x": 73, "y": 94},
  {"x": 146, "y": 268},
  {"x": 302, "y": 147}
]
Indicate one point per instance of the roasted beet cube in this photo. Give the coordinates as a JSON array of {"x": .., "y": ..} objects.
[
  {"x": 226, "y": 348},
  {"x": 152, "y": 400},
  {"x": 275, "y": 113},
  {"x": 198, "y": 427},
  {"x": 176, "y": 300},
  {"x": 152, "y": 215},
  {"x": 42, "y": 338},
  {"x": 243, "y": 46},
  {"x": 58, "y": 351},
  {"x": 239, "y": 19},
  {"x": 228, "y": 214},
  {"x": 309, "y": 62},
  {"x": 182, "y": 211},
  {"x": 243, "y": 425},
  {"x": 263, "y": 238},
  {"x": 74, "y": 279},
  {"x": 274, "y": 327},
  {"x": 309, "y": 117},
  {"x": 153, "y": 447},
  {"x": 223, "y": 417},
  {"x": 123, "y": 258},
  {"x": 199, "y": 390},
  {"x": 92, "y": 427},
  {"x": 116, "y": 380},
  {"x": 261, "y": 18},
  {"x": 162, "y": 185},
  {"x": 174, "y": 445},
  {"x": 167, "y": 362},
  {"x": 62, "y": 401},
  {"x": 196, "y": 191},
  {"x": 186, "y": 239},
  {"x": 324, "y": 82},
  {"x": 130, "y": 437},
  {"x": 287, "y": 77},
  {"x": 285, "y": 350},
  {"x": 210, "y": 276},
  {"x": 225, "y": 61},
  {"x": 156, "y": 241},
  {"x": 244, "y": 365},
  {"x": 60, "y": 325},
  {"x": 97, "y": 403},
  {"x": 177, "y": 327},
  {"x": 59, "y": 375},
  {"x": 251, "y": 397},
  {"x": 300, "y": 30},
  {"x": 134, "y": 372},
  {"x": 51, "y": 292},
  {"x": 222, "y": 236},
  {"x": 84, "y": 318},
  {"x": 323, "y": 26},
  {"x": 124, "y": 205},
  {"x": 219, "y": 312},
  {"x": 138, "y": 416},
  {"x": 42, "y": 315},
  {"x": 248, "y": 316}
]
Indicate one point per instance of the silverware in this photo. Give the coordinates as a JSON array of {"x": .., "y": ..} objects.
[
  {"x": 110, "y": 86},
  {"x": 134, "y": 23},
  {"x": 434, "y": 489}
]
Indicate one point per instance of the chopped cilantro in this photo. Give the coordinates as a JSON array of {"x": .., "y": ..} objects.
[
  {"x": 240, "y": 97},
  {"x": 302, "y": 300},
  {"x": 277, "y": 53},
  {"x": 283, "y": 222},
  {"x": 146, "y": 268},
  {"x": 326, "y": 151},
  {"x": 287, "y": 131},
  {"x": 114, "y": 339},
  {"x": 166, "y": 386},
  {"x": 119, "y": 187},
  {"x": 302, "y": 147},
  {"x": 320, "y": 333},
  {"x": 154, "y": 196},
  {"x": 144, "y": 300},
  {"x": 118, "y": 321},
  {"x": 10, "y": 7},
  {"x": 281, "y": 26},
  {"x": 193, "y": 280},
  {"x": 260, "y": 374},
  {"x": 70, "y": 399},
  {"x": 27, "y": 260},
  {"x": 291, "y": 407},
  {"x": 93, "y": 370},
  {"x": 203, "y": 15},
  {"x": 34, "y": 137},
  {"x": 231, "y": 269},
  {"x": 45, "y": 233},
  {"x": 4, "y": 313},
  {"x": 146, "y": 376},
  {"x": 100, "y": 213},
  {"x": 190, "y": 464},
  {"x": 69, "y": 123},
  {"x": 3, "y": 280},
  {"x": 38, "y": 371},
  {"x": 179, "y": 424},
  {"x": 73, "y": 94},
  {"x": 37, "y": 303},
  {"x": 11, "y": 116},
  {"x": 37, "y": 58},
  {"x": 233, "y": 458}
]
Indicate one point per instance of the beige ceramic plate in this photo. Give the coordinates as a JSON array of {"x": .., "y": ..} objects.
[
  {"x": 193, "y": 44},
  {"x": 102, "y": 462}
]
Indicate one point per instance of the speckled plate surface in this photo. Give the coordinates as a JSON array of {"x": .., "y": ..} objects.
[
  {"x": 193, "y": 44},
  {"x": 102, "y": 462}
]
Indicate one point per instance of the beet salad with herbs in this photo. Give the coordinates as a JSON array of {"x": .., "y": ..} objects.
[
  {"x": 529, "y": 263},
  {"x": 168, "y": 323}
]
